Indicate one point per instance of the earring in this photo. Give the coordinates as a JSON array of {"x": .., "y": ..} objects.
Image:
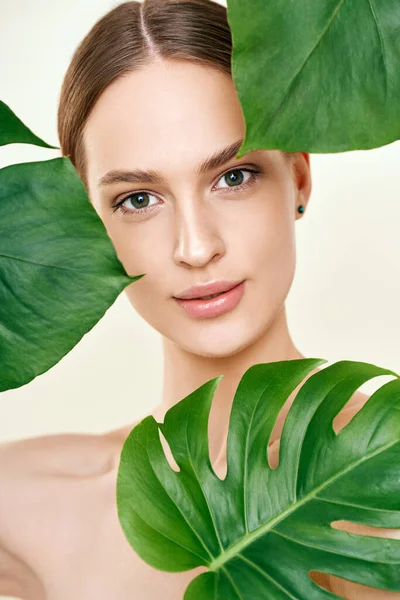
[{"x": 301, "y": 208}]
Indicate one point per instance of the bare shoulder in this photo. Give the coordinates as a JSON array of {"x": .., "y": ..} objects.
[
  {"x": 40, "y": 474},
  {"x": 13, "y": 571},
  {"x": 58, "y": 482},
  {"x": 77, "y": 454},
  {"x": 61, "y": 530},
  {"x": 29, "y": 466},
  {"x": 41, "y": 463},
  {"x": 33, "y": 472}
]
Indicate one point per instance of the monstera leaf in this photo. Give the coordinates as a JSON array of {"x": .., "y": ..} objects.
[
  {"x": 317, "y": 76},
  {"x": 260, "y": 530},
  {"x": 59, "y": 272}
]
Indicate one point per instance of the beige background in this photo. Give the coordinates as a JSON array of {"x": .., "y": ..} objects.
[{"x": 345, "y": 301}]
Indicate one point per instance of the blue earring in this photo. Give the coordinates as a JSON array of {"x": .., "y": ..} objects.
[{"x": 301, "y": 208}]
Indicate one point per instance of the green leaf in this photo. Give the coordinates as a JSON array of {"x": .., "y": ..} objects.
[
  {"x": 317, "y": 76},
  {"x": 261, "y": 530},
  {"x": 13, "y": 130},
  {"x": 58, "y": 269}
]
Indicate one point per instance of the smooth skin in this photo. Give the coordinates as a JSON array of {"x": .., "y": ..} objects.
[{"x": 60, "y": 538}]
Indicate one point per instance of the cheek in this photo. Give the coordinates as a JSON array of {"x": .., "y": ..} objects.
[
  {"x": 142, "y": 253},
  {"x": 269, "y": 234},
  {"x": 138, "y": 252},
  {"x": 271, "y": 258}
]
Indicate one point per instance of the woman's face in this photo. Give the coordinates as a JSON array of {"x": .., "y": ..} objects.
[{"x": 191, "y": 227}]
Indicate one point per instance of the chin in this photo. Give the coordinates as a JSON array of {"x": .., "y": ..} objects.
[{"x": 219, "y": 340}]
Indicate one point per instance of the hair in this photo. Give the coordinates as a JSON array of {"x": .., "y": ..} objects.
[{"x": 129, "y": 37}]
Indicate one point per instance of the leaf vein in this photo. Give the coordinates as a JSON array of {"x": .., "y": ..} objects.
[
  {"x": 177, "y": 506},
  {"x": 389, "y": 510},
  {"x": 232, "y": 582},
  {"x": 36, "y": 264},
  {"x": 268, "y": 526},
  {"x": 330, "y": 551},
  {"x": 266, "y": 576},
  {"x": 370, "y": 2},
  {"x": 167, "y": 537},
  {"x": 202, "y": 490},
  {"x": 290, "y": 86},
  {"x": 245, "y": 477}
]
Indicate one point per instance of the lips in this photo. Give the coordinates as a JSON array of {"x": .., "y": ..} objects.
[
  {"x": 205, "y": 290},
  {"x": 223, "y": 303},
  {"x": 208, "y": 297}
]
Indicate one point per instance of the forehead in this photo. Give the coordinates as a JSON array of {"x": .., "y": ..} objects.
[{"x": 168, "y": 116}]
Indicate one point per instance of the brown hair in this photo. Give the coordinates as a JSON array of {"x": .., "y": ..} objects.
[{"x": 127, "y": 38}]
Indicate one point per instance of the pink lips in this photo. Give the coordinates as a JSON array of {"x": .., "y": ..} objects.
[
  {"x": 213, "y": 307},
  {"x": 207, "y": 289}
]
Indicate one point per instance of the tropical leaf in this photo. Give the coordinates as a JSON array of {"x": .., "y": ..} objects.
[
  {"x": 59, "y": 272},
  {"x": 317, "y": 76},
  {"x": 261, "y": 530},
  {"x": 14, "y": 131}
]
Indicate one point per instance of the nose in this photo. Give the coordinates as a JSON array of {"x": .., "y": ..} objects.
[{"x": 198, "y": 237}]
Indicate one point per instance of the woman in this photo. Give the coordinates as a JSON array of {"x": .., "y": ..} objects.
[{"x": 150, "y": 118}]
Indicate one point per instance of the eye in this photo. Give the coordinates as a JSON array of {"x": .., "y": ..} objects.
[
  {"x": 141, "y": 203},
  {"x": 139, "y": 200},
  {"x": 236, "y": 181}
]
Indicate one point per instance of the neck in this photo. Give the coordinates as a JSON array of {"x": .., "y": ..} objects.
[{"x": 184, "y": 372}]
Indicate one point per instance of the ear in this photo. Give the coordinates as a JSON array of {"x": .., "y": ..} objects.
[{"x": 302, "y": 180}]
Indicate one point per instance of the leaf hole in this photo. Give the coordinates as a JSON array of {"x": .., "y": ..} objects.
[
  {"x": 219, "y": 463},
  {"x": 354, "y": 404},
  {"x": 168, "y": 453},
  {"x": 321, "y": 579},
  {"x": 274, "y": 445},
  {"x": 362, "y": 529},
  {"x": 345, "y": 416},
  {"x": 220, "y": 468},
  {"x": 273, "y": 454},
  {"x": 345, "y": 588}
]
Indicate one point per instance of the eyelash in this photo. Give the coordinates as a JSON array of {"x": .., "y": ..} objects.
[{"x": 254, "y": 177}]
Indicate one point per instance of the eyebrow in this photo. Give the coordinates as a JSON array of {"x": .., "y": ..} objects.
[{"x": 218, "y": 159}]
